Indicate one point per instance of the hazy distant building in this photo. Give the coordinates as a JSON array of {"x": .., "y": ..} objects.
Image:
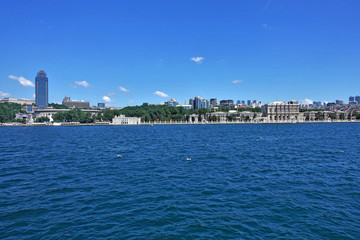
[
  {"x": 186, "y": 106},
  {"x": 317, "y": 104},
  {"x": 75, "y": 104},
  {"x": 41, "y": 90},
  {"x": 101, "y": 104},
  {"x": 357, "y": 99},
  {"x": 213, "y": 102},
  {"x": 172, "y": 103},
  {"x": 249, "y": 102},
  {"x": 351, "y": 99},
  {"x": 18, "y": 101},
  {"x": 282, "y": 112},
  {"x": 227, "y": 104},
  {"x": 339, "y": 101}
]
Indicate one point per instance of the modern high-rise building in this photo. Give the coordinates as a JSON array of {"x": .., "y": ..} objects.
[
  {"x": 339, "y": 102},
  {"x": 357, "y": 98},
  {"x": 317, "y": 104},
  {"x": 41, "y": 90},
  {"x": 249, "y": 102},
  {"x": 213, "y": 102},
  {"x": 198, "y": 102},
  {"x": 351, "y": 99}
]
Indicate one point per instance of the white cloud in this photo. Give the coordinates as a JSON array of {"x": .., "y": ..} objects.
[
  {"x": 106, "y": 99},
  {"x": 4, "y": 94},
  {"x": 197, "y": 59},
  {"x": 111, "y": 94},
  {"x": 266, "y": 26},
  {"x": 23, "y": 81},
  {"x": 161, "y": 94},
  {"x": 124, "y": 89},
  {"x": 237, "y": 81},
  {"x": 267, "y": 5},
  {"x": 131, "y": 101},
  {"x": 34, "y": 95},
  {"x": 306, "y": 101},
  {"x": 83, "y": 83}
]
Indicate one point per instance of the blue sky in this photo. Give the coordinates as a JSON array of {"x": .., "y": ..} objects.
[{"x": 278, "y": 49}]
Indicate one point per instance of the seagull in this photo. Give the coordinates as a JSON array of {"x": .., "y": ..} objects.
[{"x": 119, "y": 156}]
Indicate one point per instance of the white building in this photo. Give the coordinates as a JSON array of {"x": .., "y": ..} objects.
[
  {"x": 122, "y": 120},
  {"x": 18, "y": 101},
  {"x": 282, "y": 112}
]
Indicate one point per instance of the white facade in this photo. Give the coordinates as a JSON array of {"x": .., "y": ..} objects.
[
  {"x": 122, "y": 120},
  {"x": 18, "y": 101}
]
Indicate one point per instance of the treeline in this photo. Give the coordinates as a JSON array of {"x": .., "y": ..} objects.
[
  {"x": 8, "y": 112},
  {"x": 151, "y": 113}
]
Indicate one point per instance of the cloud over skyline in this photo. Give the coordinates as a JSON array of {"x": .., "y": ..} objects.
[
  {"x": 4, "y": 94},
  {"x": 197, "y": 59},
  {"x": 122, "y": 89},
  {"x": 237, "y": 81},
  {"x": 23, "y": 81},
  {"x": 83, "y": 84},
  {"x": 306, "y": 101},
  {"x": 106, "y": 99},
  {"x": 161, "y": 94}
]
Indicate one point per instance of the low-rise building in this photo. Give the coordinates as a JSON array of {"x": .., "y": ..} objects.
[{"x": 75, "y": 104}]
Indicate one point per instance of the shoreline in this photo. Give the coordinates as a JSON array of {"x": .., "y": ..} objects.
[{"x": 163, "y": 123}]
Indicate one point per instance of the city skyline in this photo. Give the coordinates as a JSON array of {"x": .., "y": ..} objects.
[{"x": 264, "y": 50}]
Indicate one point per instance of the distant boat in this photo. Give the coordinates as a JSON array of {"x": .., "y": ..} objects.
[{"x": 56, "y": 124}]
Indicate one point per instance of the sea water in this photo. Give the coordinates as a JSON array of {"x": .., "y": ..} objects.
[{"x": 256, "y": 181}]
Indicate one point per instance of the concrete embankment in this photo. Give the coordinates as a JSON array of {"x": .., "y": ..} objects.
[{"x": 160, "y": 123}]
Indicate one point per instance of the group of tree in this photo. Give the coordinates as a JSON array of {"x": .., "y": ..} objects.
[
  {"x": 74, "y": 115},
  {"x": 150, "y": 113},
  {"x": 8, "y": 112},
  {"x": 42, "y": 119}
]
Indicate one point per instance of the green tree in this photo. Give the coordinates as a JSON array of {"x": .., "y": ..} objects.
[
  {"x": 230, "y": 118},
  {"x": 8, "y": 111},
  {"x": 42, "y": 119},
  {"x": 58, "y": 106},
  {"x": 213, "y": 118}
]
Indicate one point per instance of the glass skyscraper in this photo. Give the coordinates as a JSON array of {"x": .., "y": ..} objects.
[{"x": 41, "y": 90}]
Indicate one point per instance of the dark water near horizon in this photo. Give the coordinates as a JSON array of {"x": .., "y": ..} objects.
[{"x": 264, "y": 181}]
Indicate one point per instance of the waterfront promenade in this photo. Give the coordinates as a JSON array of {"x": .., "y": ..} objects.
[{"x": 165, "y": 123}]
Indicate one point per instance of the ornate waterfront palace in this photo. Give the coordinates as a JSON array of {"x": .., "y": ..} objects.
[{"x": 282, "y": 112}]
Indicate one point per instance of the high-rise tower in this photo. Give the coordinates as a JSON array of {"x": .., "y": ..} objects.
[{"x": 41, "y": 90}]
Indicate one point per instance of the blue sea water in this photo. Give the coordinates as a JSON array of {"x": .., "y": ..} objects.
[{"x": 259, "y": 181}]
